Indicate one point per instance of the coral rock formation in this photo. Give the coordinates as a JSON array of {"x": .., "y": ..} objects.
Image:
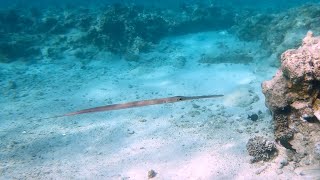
[
  {"x": 293, "y": 97},
  {"x": 260, "y": 148}
]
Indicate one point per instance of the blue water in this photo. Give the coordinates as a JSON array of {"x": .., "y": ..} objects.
[
  {"x": 58, "y": 57},
  {"x": 280, "y": 4}
]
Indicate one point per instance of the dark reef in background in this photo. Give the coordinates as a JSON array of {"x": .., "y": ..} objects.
[
  {"x": 127, "y": 29},
  {"x": 121, "y": 29},
  {"x": 281, "y": 31}
]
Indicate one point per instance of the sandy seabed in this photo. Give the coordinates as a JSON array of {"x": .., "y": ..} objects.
[{"x": 200, "y": 139}]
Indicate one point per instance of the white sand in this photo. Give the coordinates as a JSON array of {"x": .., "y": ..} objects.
[{"x": 203, "y": 139}]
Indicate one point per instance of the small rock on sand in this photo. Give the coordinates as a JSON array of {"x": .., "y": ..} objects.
[{"x": 151, "y": 174}]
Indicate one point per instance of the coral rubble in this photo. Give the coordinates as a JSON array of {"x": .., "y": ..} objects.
[{"x": 293, "y": 97}]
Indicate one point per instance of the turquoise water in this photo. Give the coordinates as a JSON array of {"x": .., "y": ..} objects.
[{"x": 62, "y": 57}]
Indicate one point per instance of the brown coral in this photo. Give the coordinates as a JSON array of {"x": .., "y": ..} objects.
[{"x": 293, "y": 97}]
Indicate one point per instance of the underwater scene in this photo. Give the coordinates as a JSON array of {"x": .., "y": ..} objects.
[{"x": 150, "y": 89}]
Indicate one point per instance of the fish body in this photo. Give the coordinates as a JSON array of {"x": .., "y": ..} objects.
[{"x": 136, "y": 104}]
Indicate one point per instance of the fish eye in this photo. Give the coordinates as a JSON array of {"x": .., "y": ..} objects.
[{"x": 179, "y": 98}]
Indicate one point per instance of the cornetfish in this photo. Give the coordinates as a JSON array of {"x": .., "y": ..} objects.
[{"x": 135, "y": 104}]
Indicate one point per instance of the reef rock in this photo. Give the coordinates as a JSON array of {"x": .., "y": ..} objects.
[
  {"x": 261, "y": 149},
  {"x": 293, "y": 97}
]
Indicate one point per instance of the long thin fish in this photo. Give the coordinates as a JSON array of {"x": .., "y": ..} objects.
[{"x": 135, "y": 104}]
